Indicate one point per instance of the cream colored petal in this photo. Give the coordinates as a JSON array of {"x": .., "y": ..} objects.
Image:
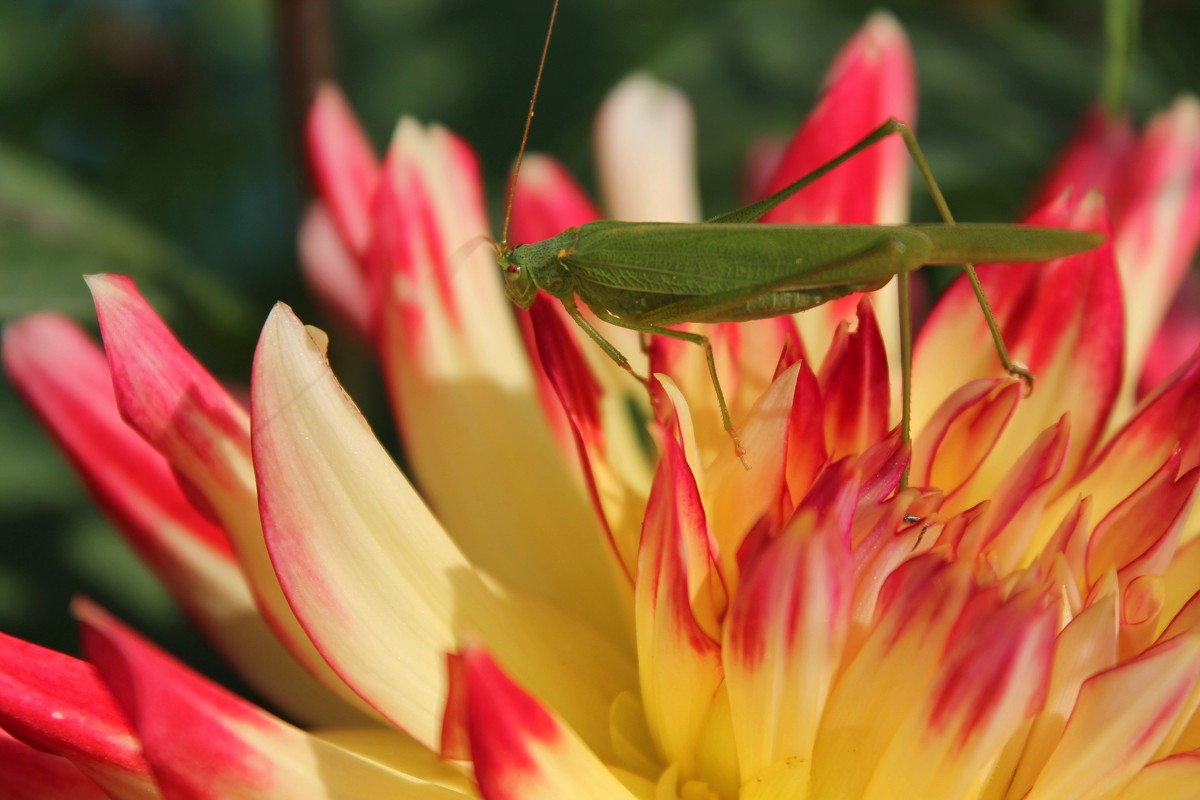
[
  {"x": 645, "y": 153},
  {"x": 380, "y": 587}
]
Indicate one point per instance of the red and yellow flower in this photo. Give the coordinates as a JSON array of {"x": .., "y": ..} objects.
[{"x": 563, "y": 611}]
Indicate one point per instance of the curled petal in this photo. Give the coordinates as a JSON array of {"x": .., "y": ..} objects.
[
  {"x": 332, "y": 273},
  {"x": 204, "y": 434},
  {"x": 337, "y": 514}
]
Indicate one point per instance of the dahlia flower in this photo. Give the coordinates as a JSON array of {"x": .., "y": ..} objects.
[{"x": 574, "y": 607}]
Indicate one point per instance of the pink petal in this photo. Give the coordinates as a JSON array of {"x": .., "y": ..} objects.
[
  {"x": 1156, "y": 220},
  {"x": 205, "y": 742},
  {"x": 333, "y": 274},
  {"x": 343, "y": 163},
  {"x": 58, "y": 704},
  {"x": 181, "y": 410},
  {"x": 30, "y": 773}
]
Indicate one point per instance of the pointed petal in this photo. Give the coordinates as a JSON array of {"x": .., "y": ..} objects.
[
  {"x": 520, "y": 750},
  {"x": 1135, "y": 705},
  {"x": 1141, "y": 535},
  {"x": 872, "y": 79},
  {"x": 961, "y": 434},
  {"x": 1166, "y": 421},
  {"x": 1177, "y": 340},
  {"x": 374, "y": 577},
  {"x": 205, "y": 742},
  {"x": 737, "y": 498},
  {"x": 856, "y": 390},
  {"x": 343, "y": 164},
  {"x": 679, "y": 658},
  {"x": 645, "y": 153},
  {"x": 608, "y": 446},
  {"x": 1085, "y": 647},
  {"x": 63, "y": 375},
  {"x": 1091, "y": 160},
  {"x": 58, "y": 704},
  {"x": 1062, "y": 319},
  {"x": 181, "y": 410},
  {"x": 787, "y": 626},
  {"x": 460, "y": 384}
]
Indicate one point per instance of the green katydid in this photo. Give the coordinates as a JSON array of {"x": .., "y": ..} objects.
[{"x": 645, "y": 276}]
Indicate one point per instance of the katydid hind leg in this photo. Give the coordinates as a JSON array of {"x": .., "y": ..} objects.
[
  {"x": 914, "y": 150},
  {"x": 697, "y": 339}
]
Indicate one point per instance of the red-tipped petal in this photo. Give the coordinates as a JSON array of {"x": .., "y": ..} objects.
[
  {"x": 1063, "y": 319},
  {"x": 854, "y": 378},
  {"x": 64, "y": 376},
  {"x": 1137, "y": 704},
  {"x": 343, "y": 163},
  {"x": 204, "y": 742},
  {"x": 787, "y": 626},
  {"x": 548, "y": 201},
  {"x": 460, "y": 383},
  {"x": 678, "y": 588},
  {"x": 1156, "y": 222},
  {"x": 181, "y": 410},
  {"x": 520, "y": 750},
  {"x": 872, "y": 79}
]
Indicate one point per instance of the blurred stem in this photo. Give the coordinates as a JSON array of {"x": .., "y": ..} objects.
[
  {"x": 305, "y": 31},
  {"x": 1121, "y": 27}
]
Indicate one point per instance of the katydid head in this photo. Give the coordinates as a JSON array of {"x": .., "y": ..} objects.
[{"x": 518, "y": 281}]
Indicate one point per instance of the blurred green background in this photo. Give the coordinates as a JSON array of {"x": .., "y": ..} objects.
[{"x": 166, "y": 132}]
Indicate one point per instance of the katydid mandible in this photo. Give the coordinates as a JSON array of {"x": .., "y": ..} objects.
[{"x": 645, "y": 276}]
